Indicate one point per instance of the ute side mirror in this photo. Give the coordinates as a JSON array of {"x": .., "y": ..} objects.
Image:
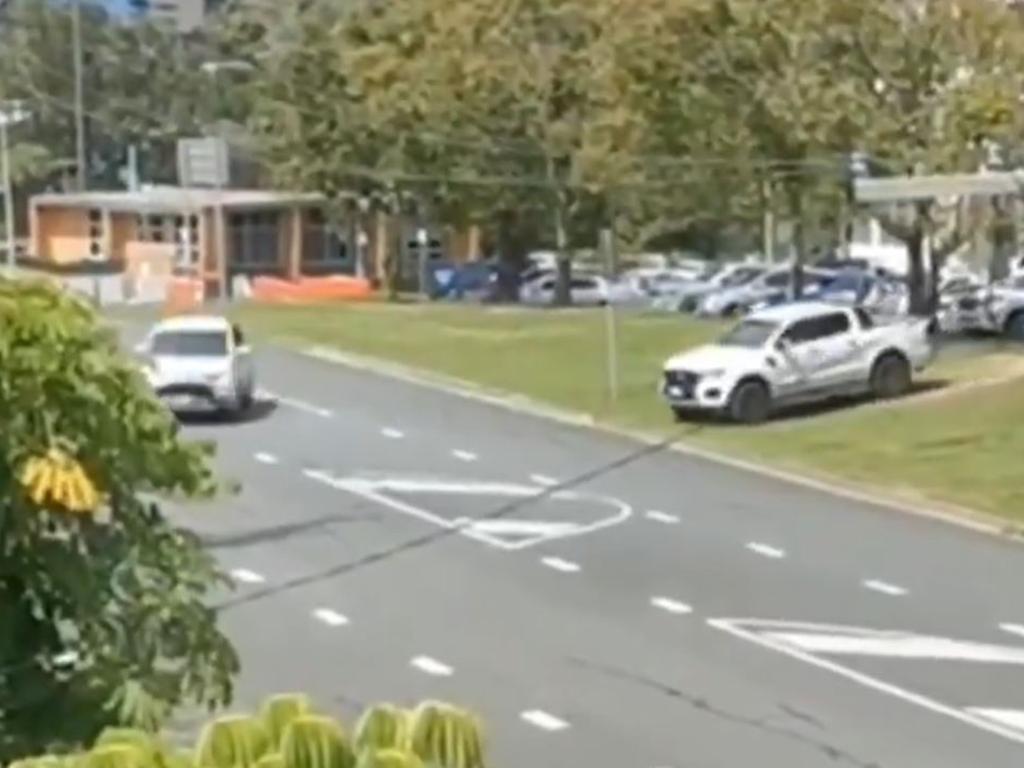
[{"x": 782, "y": 345}]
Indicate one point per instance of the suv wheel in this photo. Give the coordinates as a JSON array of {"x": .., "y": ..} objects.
[
  {"x": 750, "y": 403},
  {"x": 1015, "y": 327},
  {"x": 890, "y": 377}
]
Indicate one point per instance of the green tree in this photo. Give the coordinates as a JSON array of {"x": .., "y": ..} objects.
[
  {"x": 939, "y": 79},
  {"x": 102, "y": 599},
  {"x": 142, "y": 85}
]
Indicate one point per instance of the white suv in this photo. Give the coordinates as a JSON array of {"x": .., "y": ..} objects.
[
  {"x": 794, "y": 353},
  {"x": 199, "y": 363}
]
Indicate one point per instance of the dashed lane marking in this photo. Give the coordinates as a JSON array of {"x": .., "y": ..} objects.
[
  {"x": 558, "y": 564},
  {"x": 670, "y": 605},
  {"x": 544, "y": 720},
  {"x": 297, "y": 404},
  {"x": 392, "y": 434},
  {"x": 884, "y": 587},
  {"x": 245, "y": 576},
  {"x": 661, "y": 517},
  {"x": 330, "y": 617},
  {"x": 464, "y": 455},
  {"x": 432, "y": 666},
  {"x": 265, "y": 458},
  {"x": 766, "y": 550},
  {"x": 543, "y": 480}
]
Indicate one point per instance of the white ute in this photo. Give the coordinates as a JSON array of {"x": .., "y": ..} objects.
[
  {"x": 199, "y": 363},
  {"x": 796, "y": 353}
]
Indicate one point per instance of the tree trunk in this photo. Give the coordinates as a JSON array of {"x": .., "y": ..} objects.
[
  {"x": 512, "y": 247},
  {"x": 1002, "y": 241},
  {"x": 393, "y": 258},
  {"x": 916, "y": 272}
]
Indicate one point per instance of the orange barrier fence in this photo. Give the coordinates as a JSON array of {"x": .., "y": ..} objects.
[
  {"x": 183, "y": 295},
  {"x": 311, "y": 289}
]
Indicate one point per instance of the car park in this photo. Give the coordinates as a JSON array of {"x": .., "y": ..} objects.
[
  {"x": 796, "y": 353},
  {"x": 585, "y": 290},
  {"x": 199, "y": 363}
]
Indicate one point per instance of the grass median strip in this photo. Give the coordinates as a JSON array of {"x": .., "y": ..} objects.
[{"x": 960, "y": 442}]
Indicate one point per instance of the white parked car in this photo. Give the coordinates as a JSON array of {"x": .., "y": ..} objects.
[
  {"x": 586, "y": 290},
  {"x": 998, "y": 308},
  {"x": 795, "y": 353},
  {"x": 199, "y": 363}
]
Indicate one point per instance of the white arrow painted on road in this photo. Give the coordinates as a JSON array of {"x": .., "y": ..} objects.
[{"x": 810, "y": 643}]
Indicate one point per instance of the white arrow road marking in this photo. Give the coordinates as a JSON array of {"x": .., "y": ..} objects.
[
  {"x": 506, "y": 534},
  {"x": 558, "y": 564},
  {"x": 1011, "y": 717},
  {"x": 265, "y": 458},
  {"x": 1013, "y": 629},
  {"x": 432, "y": 666},
  {"x": 246, "y": 576},
  {"x": 392, "y": 433},
  {"x": 464, "y": 455},
  {"x": 544, "y": 720},
  {"x": 299, "y": 405},
  {"x": 670, "y": 605},
  {"x": 543, "y": 480},
  {"x": 330, "y": 617},
  {"x": 900, "y": 646},
  {"x": 766, "y": 634},
  {"x": 766, "y": 550},
  {"x": 884, "y": 587},
  {"x": 661, "y": 517}
]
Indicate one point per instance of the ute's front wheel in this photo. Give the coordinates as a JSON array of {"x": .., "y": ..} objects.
[{"x": 751, "y": 403}]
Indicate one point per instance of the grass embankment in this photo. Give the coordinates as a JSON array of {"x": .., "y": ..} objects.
[{"x": 957, "y": 445}]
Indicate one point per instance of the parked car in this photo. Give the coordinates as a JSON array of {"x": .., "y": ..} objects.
[
  {"x": 998, "y": 308},
  {"x": 854, "y": 287},
  {"x": 586, "y": 290},
  {"x": 796, "y": 353},
  {"x": 772, "y": 287},
  {"x": 689, "y": 297},
  {"x": 655, "y": 283},
  {"x": 199, "y": 363}
]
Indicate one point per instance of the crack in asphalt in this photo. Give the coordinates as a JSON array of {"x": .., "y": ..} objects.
[{"x": 703, "y": 704}]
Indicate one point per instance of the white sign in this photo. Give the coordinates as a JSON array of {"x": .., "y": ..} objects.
[
  {"x": 823, "y": 645},
  {"x": 577, "y": 514}
]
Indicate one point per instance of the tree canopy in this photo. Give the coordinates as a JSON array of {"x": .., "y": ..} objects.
[{"x": 102, "y": 599}]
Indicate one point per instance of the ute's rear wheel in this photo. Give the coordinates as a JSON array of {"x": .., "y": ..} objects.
[
  {"x": 890, "y": 377},
  {"x": 1015, "y": 327},
  {"x": 751, "y": 403}
]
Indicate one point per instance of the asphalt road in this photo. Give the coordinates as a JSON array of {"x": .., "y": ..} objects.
[{"x": 600, "y": 604}]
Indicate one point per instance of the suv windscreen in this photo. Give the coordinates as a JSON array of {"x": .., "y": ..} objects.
[
  {"x": 191, "y": 343},
  {"x": 740, "y": 277},
  {"x": 750, "y": 333}
]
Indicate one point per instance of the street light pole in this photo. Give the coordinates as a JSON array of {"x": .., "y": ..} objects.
[
  {"x": 76, "y": 43},
  {"x": 5, "y": 161}
]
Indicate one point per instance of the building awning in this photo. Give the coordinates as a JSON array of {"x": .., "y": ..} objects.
[{"x": 162, "y": 200}]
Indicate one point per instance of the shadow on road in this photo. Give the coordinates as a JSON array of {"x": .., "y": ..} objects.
[
  {"x": 261, "y": 409},
  {"x": 275, "y": 533}
]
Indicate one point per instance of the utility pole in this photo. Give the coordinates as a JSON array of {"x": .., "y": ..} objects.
[
  {"x": 76, "y": 43},
  {"x": 5, "y": 162}
]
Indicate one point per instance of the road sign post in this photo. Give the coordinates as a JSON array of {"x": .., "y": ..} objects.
[{"x": 610, "y": 327}]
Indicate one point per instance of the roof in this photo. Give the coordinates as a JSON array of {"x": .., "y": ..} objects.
[
  {"x": 176, "y": 199},
  {"x": 193, "y": 323},
  {"x": 798, "y": 310}
]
